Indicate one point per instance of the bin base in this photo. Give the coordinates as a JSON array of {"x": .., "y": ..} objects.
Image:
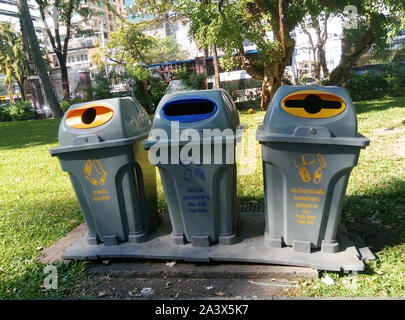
[{"x": 250, "y": 246}]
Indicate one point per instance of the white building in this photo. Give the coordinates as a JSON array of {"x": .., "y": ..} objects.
[{"x": 9, "y": 13}]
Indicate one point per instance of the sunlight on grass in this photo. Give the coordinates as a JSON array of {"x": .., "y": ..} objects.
[{"x": 38, "y": 205}]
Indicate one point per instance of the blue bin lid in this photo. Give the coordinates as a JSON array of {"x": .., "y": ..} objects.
[{"x": 198, "y": 109}]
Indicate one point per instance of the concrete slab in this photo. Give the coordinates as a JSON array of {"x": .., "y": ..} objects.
[
  {"x": 54, "y": 252},
  {"x": 156, "y": 269},
  {"x": 250, "y": 247}
]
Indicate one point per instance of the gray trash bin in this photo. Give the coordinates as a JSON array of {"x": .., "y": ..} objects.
[
  {"x": 309, "y": 146},
  {"x": 201, "y": 195},
  {"x": 115, "y": 184}
]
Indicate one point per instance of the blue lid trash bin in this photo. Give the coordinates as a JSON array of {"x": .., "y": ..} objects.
[
  {"x": 309, "y": 144},
  {"x": 115, "y": 184},
  {"x": 201, "y": 193}
]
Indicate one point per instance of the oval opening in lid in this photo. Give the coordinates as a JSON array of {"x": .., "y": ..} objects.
[
  {"x": 314, "y": 104},
  {"x": 89, "y": 116},
  {"x": 189, "y": 110}
]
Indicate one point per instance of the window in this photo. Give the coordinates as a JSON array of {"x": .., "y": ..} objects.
[{"x": 101, "y": 14}]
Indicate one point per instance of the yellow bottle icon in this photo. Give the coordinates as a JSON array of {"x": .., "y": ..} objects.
[
  {"x": 318, "y": 175},
  {"x": 304, "y": 174}
]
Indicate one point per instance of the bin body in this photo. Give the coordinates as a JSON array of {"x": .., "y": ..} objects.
[
  {"x": 201, "y": 195},
  {"x": 309, "y": 146},
  {"x": 114, "y": 182}
]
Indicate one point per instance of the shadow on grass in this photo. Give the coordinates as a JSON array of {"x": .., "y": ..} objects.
[
  {"x": 30, "y": 285},
  {"x": 21, "y": 134},
  {"x": 378, "y": 216},
  {"x": 28, "y": 226},
  {"x": 379, "y": 104}
]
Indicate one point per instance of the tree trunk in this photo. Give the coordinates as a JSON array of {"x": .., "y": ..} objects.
[
  {"x": 10, "y": 94},
  {"x": 64, "y": 75},
  {"x": 322, "y": 61},
  {"x": 205, "y": 67},
  {"x": 37, "y": 57},
  {"x": 21, "y": 86},
  {"x": 216, "y": 66},
  {"x": 320, "y": 49},
  {"x": 342, "y": 72}
]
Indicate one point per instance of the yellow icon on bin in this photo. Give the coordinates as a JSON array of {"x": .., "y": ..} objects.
[
  {"x": 304, "y": 161},
  {"x": 97, "y": 176}
]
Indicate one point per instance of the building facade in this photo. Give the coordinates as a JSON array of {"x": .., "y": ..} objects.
[{"x": 84, "y": 50}]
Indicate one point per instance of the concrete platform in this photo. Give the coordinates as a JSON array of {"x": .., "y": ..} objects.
[{"x": 251, "y": 247}]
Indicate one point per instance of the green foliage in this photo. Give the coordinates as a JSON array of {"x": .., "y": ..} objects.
[
  {"x": 367, "y": 86},
  {"x": 166, "y": 49},
  {"x": 13, "y": 61},
  {"x": 371, "y": 85},
  {"x": 191, "y": 80},
  {"x": 64, "y": 105},
  {"x": 100, "y": 89},
  {"x": 4, "y": 114},
  {"x": 148, "y": 90},
  {"x": 19, "y": 110},
  {"x": 130, "y": 45}
]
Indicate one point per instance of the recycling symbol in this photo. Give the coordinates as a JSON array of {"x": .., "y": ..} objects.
[
  {"x": 94, "y": 172},
  {"x": 305, "y": 161}
]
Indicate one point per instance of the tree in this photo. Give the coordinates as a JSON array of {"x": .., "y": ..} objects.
[
  {"x": 63, "y": 13},
  {"x": 161, "y": 11},
  {"x": 267, "y": 24},
  {"x": 374, "y": 24},
  {"x": 129, "y": 45},
  {"x": 318, "y": 21},
  {"x": 13, "y": 62},
  {"x": 28, "y": 27}
]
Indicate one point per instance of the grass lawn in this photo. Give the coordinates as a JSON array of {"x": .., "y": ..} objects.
[{"x": 38, "y": 206}]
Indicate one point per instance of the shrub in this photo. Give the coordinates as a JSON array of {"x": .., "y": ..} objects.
[
  {"x": 147, "y": 89},
  {"x": 64, "y": 105},
  {"x": 191, "y": 79},
  {"x": 20, "y": 110},
  {"x": 367, "y": 86},
  {"x": 4, "y": 114}
]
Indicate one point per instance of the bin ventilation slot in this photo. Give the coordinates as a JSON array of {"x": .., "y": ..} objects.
[
  {"x": 89, "y": 116},
  {"x": 189, "y": 110},
  {"x": 313, "y": 104}
]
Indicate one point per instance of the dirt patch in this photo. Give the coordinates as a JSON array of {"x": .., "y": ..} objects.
[
  {"x": 153, "y": 288},
  {"x": 388, "y": 131},
  {"x": 399, "y": 148},
  {"x": 397, "y": 145}
]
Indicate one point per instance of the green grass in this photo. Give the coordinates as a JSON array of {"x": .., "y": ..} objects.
[
  {"x": 376, "y": 190},
  {"x": 38, "y": 206}
]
